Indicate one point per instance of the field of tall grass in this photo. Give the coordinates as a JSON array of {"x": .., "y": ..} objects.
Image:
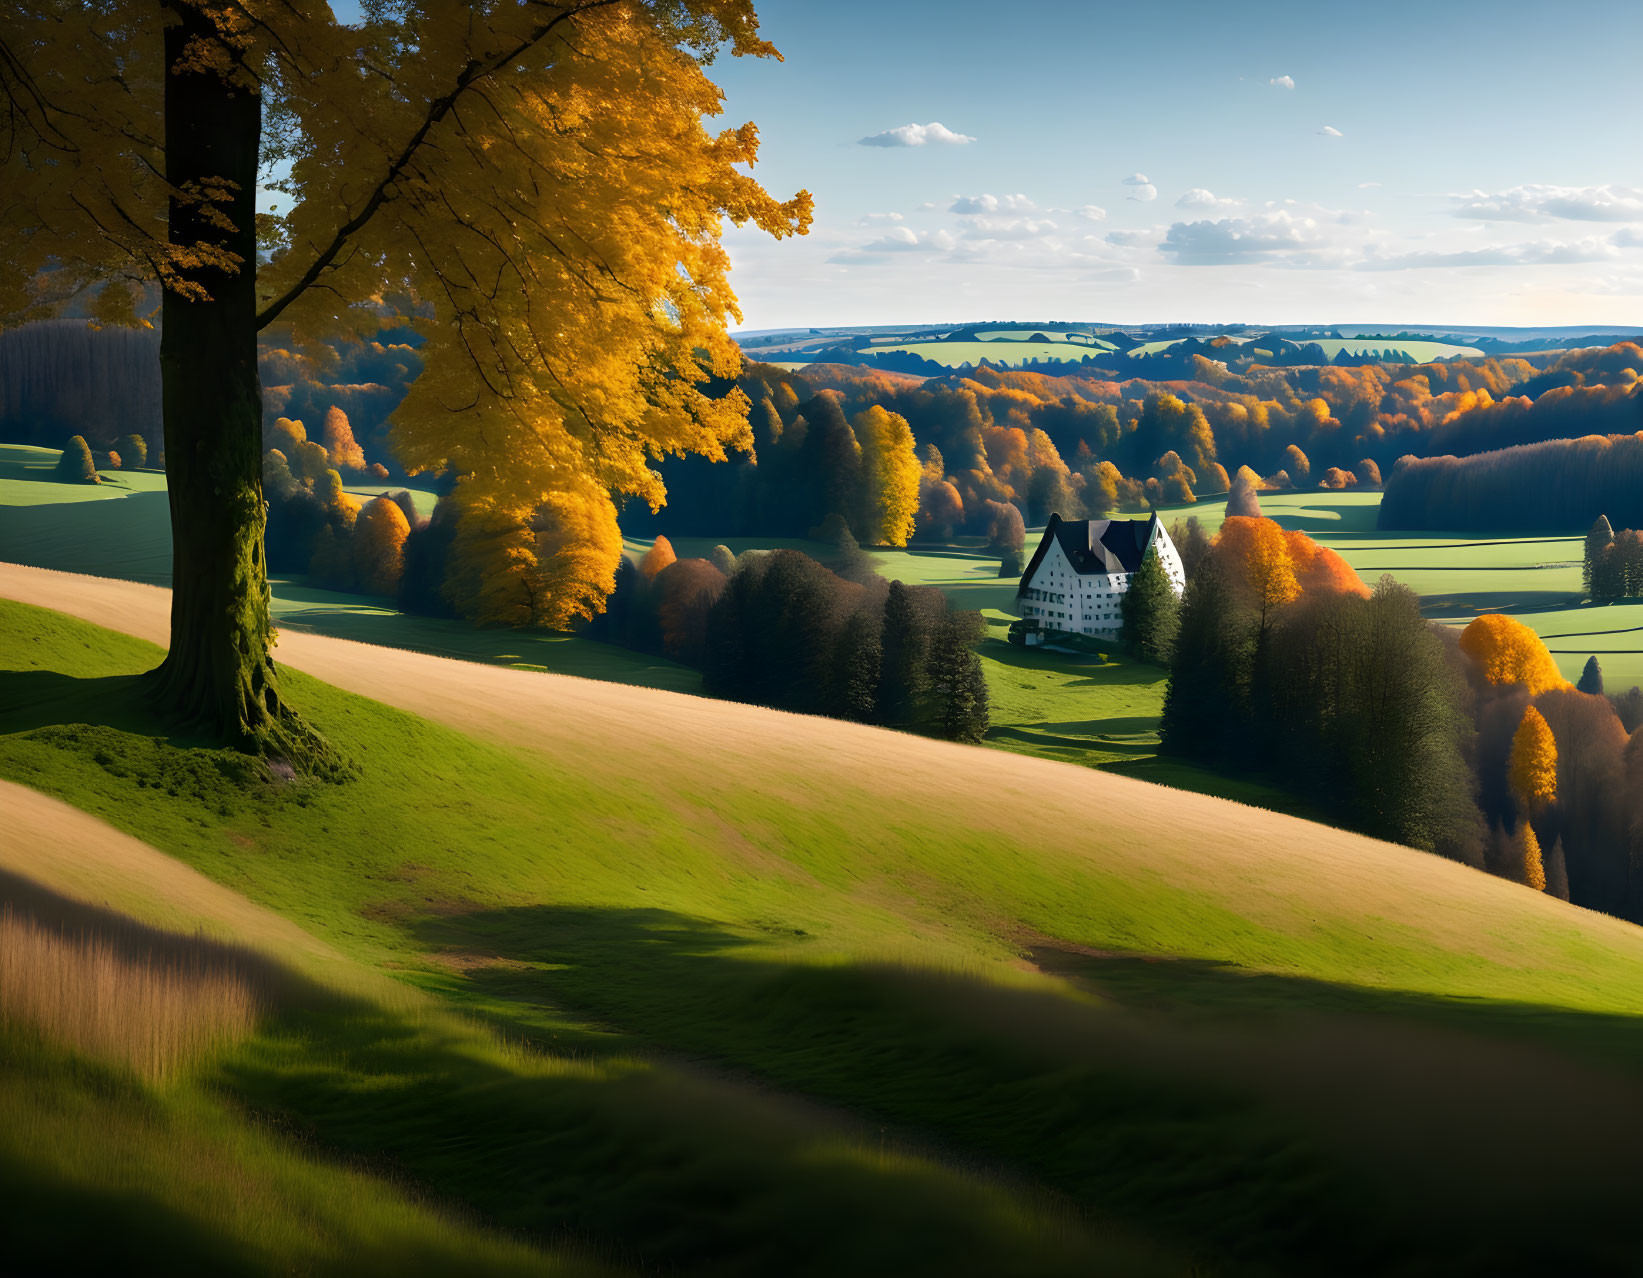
[{"x": 134, "y": 997}]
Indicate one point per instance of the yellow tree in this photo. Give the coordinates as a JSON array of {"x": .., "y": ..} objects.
[
  {"x": 1534, "y": 870},
  {"x": 340, "y": 445},
  {"x": 1532, "y": 766},
  {"x": 531, "y": 184},
  {"x": 893, "y": 473},
  {"x": 379, "y": 546},
  {"x": 1506, "y": 651}
]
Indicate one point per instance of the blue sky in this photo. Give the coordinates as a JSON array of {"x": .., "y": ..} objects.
[{"x": 1302, "y": 163}]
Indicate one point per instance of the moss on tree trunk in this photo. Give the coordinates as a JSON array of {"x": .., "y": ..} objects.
[{"x": 219, "y": 673}]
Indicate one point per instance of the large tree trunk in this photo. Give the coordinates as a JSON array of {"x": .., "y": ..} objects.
[{"x": 219, "y": 673}]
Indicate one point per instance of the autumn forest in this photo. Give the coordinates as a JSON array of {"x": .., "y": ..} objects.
[{"x": 585, "y": 690}]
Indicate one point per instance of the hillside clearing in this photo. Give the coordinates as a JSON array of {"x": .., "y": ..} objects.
[{"x": 958, "y": 945}]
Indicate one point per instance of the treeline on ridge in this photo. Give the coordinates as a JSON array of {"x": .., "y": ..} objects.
[{"x": 1552, "y": 486}]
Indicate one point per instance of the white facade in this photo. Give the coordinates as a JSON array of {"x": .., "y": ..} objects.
[{"x": 1059, "y": 597}]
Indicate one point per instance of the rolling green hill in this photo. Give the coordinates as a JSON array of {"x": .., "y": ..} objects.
[{"x": 790, "y": 994}]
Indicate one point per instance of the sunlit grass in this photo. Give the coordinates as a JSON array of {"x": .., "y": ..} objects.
[{"x": 152, "y": 1007}]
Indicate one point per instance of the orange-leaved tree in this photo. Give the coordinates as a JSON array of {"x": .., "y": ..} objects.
[
  {"x": 1534, "y": 871},
  {"x": 1506, "y": 651},
  {"x": 658, "y": 557},
  {"x": 1256, "y": 550},
  {"x": 340, "y": 445},
  {"x": 1319, "y": 570},
  {"x": 379, "y": 546},
  {"x": 1532, "y": 765},
  {"x": 531, "y": 185}
]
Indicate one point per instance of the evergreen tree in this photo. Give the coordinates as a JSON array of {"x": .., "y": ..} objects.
[
  {"x": 1557, "y": 872},
  {"x": 1599, "y": 538},
  {"x": 957, "y": 687},
  {"x": 854, "y": 683},
  {"x": 901, "y": 664},
  {"x": 1151, "y": 611},
  {"x": 75, "y": 465},
  {"x": 1207, "y": 702},
  {"x": 1591, "y": 678}
]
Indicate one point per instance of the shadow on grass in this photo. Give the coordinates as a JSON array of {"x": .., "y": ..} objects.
[
  {"x": 1102, "y": 744},
  {"x": 1253, "y": 1119},
  {"x": 128, "y": 538},
  {"x": 34, "y": 699},
  {"x": 1507, "y": 601}
]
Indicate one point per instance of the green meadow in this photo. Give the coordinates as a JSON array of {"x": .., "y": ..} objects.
[
  {"x": 660, "y": 996},
  {"x": 1058, "y": 705},
  {"x": 1003, "y": 353}
]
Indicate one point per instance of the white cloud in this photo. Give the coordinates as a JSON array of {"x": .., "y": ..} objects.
[
  {"x": 1091, "y": 212},
  {"x": 1330, "y": 131},
  {"x": 1006, "y": 228},
  {"x": 1199, "y": 198},
  {"x": 917, "y": 135},
  {"x": 875, "y": 219},
  {"x": 1234, "y": 240},
  {"x": 1531, "y": 253},
  {"x": 1541, "y": 203},
  {"x": 902, "y": 239},
  {"x": 992, "y": 204},
  {"x": 1141, "y": 190},
  {"x": 1282, "y": 82}
]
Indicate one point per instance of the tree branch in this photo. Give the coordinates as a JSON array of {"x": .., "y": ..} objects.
[{"x": 438, "y": 109}]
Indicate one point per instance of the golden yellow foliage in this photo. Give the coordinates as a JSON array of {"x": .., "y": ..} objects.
[
  {"x": 548, "y": 568},
  {"x": 379, "y": 546},
  {"x": 1532, "y": 767},
  {"x": 1256, "y": 550},
  {"x": 340, "y": 445},
  {"x": 1319, "y": 569},
  {"x": 286, "y": 435},
  {"x": 535, "y": 187},
  {"x": 577, "y": 548},
  {"x": 893, "y": 474},
  {"x": 1507, "y": 651},
  {"x": 1534, "y": 871}
]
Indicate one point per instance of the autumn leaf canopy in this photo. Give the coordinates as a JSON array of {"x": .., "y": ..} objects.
[{"x": 532, "y": 186}]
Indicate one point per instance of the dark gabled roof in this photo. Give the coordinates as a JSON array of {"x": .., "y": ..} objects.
[{"x": 1096, "y": 545}]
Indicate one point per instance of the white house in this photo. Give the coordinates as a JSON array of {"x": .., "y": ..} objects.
[{"x": 1082, "y": 568}]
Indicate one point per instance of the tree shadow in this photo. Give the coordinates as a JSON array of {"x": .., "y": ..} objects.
[
  {"x": 1256, "y": 1118},
  {"x": 128, "y": 538},
  {"x": 34, "y": 699}
]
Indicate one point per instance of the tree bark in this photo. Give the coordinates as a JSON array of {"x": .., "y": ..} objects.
[{"x": 219, "y": 673}]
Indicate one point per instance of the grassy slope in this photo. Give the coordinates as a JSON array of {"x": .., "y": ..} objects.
[
  {"x": 122, "y": 528},
  {"x": 1352, "y": 1062}
]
